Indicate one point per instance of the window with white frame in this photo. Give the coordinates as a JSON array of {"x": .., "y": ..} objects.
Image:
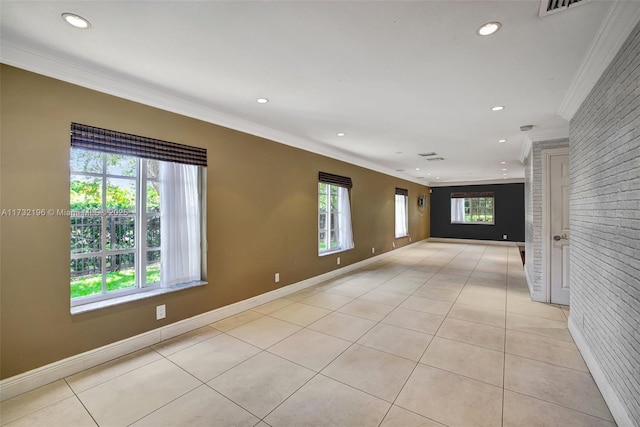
[
  {"x": 136, "y": 214},
  {"x": 402, "y": 212},
  {"x": 334, "y": 214},
  {"x": 472, "y": 208}
]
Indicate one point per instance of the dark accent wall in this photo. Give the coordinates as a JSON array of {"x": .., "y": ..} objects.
[{"x": 509, "y": 213}]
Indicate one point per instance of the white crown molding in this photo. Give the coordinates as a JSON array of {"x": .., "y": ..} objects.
[
  {"x": 549, "y": 134},
  {"x": 621, "y": 19},
  {"x": 480, "y": 182},
  {"x": 526, "y": 148},
  {"x": 530, "y": 137},
  {"x": 95, "y": 79}
]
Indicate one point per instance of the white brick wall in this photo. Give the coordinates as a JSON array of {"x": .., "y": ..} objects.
[
  {"x": 533, "y": 215},
  {"x": 605, "y": 224}
]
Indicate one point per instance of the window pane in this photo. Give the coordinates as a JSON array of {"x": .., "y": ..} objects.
[
  {"x": 120, "y": 271},
  {"x": 118, "y": 164},
  {"x": 153, "y": 231},
  {"x": 153, "y": 267},
  {"x": 471, "y": 210},
  {"x": 153, "y": 169},
  {"x": 322, "y": 197},
  {"x": 153, "y": 196},
  {"x": 121, "y": 194},
  {"x": 85, "y": 234},
  {"x": 86, "y": 193},
  {"x": 86, "y": 276},
  {"x": 121, "y": 232},
  {"x": 86, "y": 161},
  {"x": 334, "y": 240}
]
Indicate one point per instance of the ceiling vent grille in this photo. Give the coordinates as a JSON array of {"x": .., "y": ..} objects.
[
  {"x": 435, "y": 158},
  {"x": 548, "y": 7},
  {"x": 427, "y": 154}
]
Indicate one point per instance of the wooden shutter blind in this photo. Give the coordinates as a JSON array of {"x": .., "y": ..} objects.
[
  {"x": 114, "y": 142},
  {"x": 471, "y": 195},
  {"x": 329, "y": 178}
]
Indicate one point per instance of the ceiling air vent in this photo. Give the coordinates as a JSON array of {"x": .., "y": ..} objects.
[
  {"x": 547, "y": 7},
  {"x": 427, "y": 154},
  {"x": 435, "y": 158}
]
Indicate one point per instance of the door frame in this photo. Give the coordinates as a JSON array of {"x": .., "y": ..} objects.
[{"x": 546, "y": 217}]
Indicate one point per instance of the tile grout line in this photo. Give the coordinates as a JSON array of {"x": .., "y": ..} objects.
[
  {"x": 430, "y": 341},
  {"x": 81, "y": 402},
  {"x": 504, "y": 350}
]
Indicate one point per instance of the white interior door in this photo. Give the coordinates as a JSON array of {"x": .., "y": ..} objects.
[{"x": 559, "y": 228}]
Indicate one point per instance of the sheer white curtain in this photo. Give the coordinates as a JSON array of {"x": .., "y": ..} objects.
[
  {"x": 457, "y": 210},
  {"x": 345, "y": 234},
  {"x": 401, "y": 216},
  {"x": 179, "y": 224}
]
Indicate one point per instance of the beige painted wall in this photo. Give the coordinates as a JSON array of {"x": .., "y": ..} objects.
[{"x": 261, "y": 218}]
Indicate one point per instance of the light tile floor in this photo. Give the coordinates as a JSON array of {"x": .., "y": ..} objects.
[{"x": 439, "y": 334}]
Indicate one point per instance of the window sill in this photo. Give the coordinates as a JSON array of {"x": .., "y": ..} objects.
[
  {"x": 112, "y": 302},
  {"x": 335, "y": 251},
  {"x": 474, "y": 223}
]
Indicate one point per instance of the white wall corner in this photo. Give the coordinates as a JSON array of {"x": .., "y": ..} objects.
[
  {"x": 526, "y": 148},
  {"x": 617, "y": 408},
  {"x": 527, "y": 277},
  {"x": 621, "y": 19}
]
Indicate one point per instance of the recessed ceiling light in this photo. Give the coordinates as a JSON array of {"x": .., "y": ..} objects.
[
  {"x": 497, "y": 108},
  {"x": 340, "y": 133},
  {"x": 437, "y": 177},
  {"x": 489, "y": 28},
  {"x": 502, "y": 140},
  {"x": 428, "y": 174},
  {"x": 503, "y": 163},
  {"x": 76, "y": 21},
  {"x": 262, "y": 100},
  {"x": 504, "y": 169},
  {"x": 417, "y": 169}
]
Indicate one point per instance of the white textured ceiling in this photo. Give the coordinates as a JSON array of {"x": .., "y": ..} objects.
[{"x": 398, "y": 78}]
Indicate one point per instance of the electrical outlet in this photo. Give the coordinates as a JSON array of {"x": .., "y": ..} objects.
[
  {"x": 393, "y": 245},
  {"x": 504, "y": 237},
  {"x": 161, "y": 312},
  {"x": 338, "y": 260},
  {"x": 373, "y": 250},
  {"x": 409, "y": 239},
  {"x": 277, "y": 277}
]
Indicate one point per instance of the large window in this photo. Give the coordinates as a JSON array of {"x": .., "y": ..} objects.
[
  {"x": 472, "y": 208},
  {"x": 402, "y": 212},
  {"x": 334, "y": 214},
  {"x": 136, "y": 220}
]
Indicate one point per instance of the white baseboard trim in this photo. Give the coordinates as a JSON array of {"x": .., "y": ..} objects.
[
  {"x": 618, "y": 410},
  {"x": 30, "y": 380},
  {"x": 474, "y": 242}
]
